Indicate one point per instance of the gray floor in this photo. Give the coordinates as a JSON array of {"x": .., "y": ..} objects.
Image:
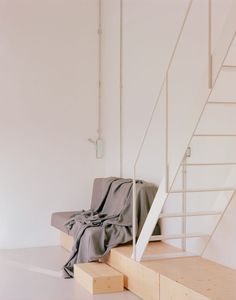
[{"x": 35, "y": 274}]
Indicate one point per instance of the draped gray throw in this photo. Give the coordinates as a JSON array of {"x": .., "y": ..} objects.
[{"x": 109, "y": 223}]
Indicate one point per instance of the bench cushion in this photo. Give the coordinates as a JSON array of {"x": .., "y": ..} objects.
[{"x": 58, "y": 219}]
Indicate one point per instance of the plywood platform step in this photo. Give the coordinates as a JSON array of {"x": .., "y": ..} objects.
[
  {"x": 192, "y": 278},
  {"x": 66, "y": 241},
  {"x": 98, "y": 278}
]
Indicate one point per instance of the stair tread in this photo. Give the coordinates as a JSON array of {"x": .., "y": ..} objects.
[
  {"x": 220, "y": 189},
  {"x": 196, "y": 213},
  {"x": 210, "y": 164},
  {"x": 214, "y": 135},
  {"x": 178, "y": 236},
  {"x": 228, "y": 68}
]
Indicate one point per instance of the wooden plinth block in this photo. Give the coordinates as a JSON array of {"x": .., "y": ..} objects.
[{"x": 98, "y": 278}]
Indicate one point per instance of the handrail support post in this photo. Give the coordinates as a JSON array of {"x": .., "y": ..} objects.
[
  {"x": 134, "y": 216},
  {"x": 167, "y": 132},
  {"x": 209, "y": 45}
]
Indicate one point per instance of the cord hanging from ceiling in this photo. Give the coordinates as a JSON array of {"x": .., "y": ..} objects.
[{"x": 99, "y": 141}]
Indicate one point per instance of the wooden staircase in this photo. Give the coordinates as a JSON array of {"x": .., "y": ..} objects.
[{"x": 181, "y": 163}]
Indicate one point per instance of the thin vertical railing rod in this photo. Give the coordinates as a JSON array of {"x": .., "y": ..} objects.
[
  {"x": 167, "y": 134},
  {"x": 151, "y": 118},
  {"x": 121, "y": 88},
  {"x": 134, "y": 216},
  {"x": 184, "y": 201},
  {"x": 209, "y": 44},
  {"x": 99, "y": 66}
]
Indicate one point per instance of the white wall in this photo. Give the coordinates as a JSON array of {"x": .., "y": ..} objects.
[
  {"x": 111, "y": 86},
  {"x": 150, "y": 30},
  {"x": 48, "y": 110}
]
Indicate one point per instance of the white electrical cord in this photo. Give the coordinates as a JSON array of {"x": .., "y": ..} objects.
[
  {"x": 98, "y": 143},
  {"x": 99, "y": 66}
]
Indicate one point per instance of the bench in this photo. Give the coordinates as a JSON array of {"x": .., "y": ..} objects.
[{"x": 58, "y": 219}]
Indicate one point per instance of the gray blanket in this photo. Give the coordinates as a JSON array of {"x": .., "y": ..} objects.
[{"x": 110, "y": 224}]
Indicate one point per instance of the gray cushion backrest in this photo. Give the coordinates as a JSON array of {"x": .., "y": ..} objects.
[{"x": 97, "y": 193}]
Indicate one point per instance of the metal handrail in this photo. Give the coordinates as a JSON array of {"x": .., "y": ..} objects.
[{"x": 165, "y": 80}]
